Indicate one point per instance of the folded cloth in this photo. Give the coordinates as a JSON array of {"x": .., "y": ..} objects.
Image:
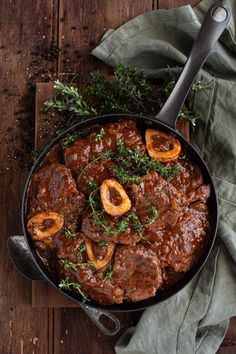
[{"x": 196, "y": 319}]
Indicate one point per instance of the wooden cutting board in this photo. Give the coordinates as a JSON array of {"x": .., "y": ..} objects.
[{"x": 43, "y": 293}]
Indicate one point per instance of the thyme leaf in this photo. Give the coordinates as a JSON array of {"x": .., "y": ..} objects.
[
  {"x": 69, "y": 234},
  {"x": 66, "y": 264},
  {"x": 69, "y": 98},
  {"x": 108, "y": 273},
  {"x": 100, "y": 135},
  {"x": 153, "y": 215},
  {"x": 138, "y": 163},
  {"x": 102, "y": 243},
  {"x": 70, "y": 139},
  {"x": 129, "y": 91},
  {"x": 67, "y": 285}
]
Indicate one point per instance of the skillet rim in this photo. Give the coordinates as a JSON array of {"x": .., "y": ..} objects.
[{"x": 168, "y": 292}]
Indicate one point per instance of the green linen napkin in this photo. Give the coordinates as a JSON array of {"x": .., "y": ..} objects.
[{"x": 196, "y": 319}]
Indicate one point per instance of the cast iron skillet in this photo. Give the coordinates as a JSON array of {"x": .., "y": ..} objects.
[{"x": 215, "y": 22}]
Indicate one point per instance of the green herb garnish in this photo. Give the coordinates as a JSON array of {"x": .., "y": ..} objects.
[
  {"x": 91, "y": 263},
  {"x": 142, "y": 185},
  {"x": 68, "y": 265},
  {"x": 108, "y": 273},
  {"x": 137, "y": 163},
  {"x": 70, "y": 234},
  {"x": 97, "y": 212},
  {"x": 152, "y": 211},
  {"x": 132, "y": 218},
  {"x": 103, "y": 156},
  {"x": 70, "y": 139},
  {"x": 67, "y": 285},
  {"x": 69, "y": 98},
  {"x": 92, "y": 185},
  {"x": 82, "y": 248},
  {"x": 102, "y": 243},
  {"x": 100, "y": 135}
]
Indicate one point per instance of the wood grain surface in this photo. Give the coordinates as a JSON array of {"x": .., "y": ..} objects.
[{"x": 40, "y": 40}]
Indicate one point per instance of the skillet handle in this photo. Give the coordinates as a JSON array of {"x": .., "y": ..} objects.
[
  {"x": 216, "y": 19},
  {"x": 21, "y": 258},
  {"x": 95, "y": 314},
  {"x": 24, "y": 263}
]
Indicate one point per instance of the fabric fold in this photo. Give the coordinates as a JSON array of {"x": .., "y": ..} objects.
[{"x": 194, "y": 320}]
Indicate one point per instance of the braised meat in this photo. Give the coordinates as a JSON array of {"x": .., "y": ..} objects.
[
  {"x": 53, "y": 188},
  {"x": 97, "y": 232},
  {"x": 85, "y": 157},
  {"x": 154, "y": 191},
  {"x": 137, "y": 271},
  {"x": 96, "y": 173},
  {"x": 94, "y": 284},
  {"x": 178, "y": 247},
  {"x": 116, "y": 222},
  {"x": 189, "y": 182}
]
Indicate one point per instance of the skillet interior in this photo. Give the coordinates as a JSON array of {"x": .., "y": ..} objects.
[{"x": 142, "y": 123}]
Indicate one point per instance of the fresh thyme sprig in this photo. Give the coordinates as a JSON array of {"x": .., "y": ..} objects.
[
  {"x": 66, "y": 264},
  {"x": 130, "y": 164},
  {"x": 124, "y": 177},
  {"x": 67, "y": 285},
  {"x": 97, "y": 212},
  {"x": 70, "y": 139},
  {"x": 130, "y": 218},
  {"x": 135, "y": 221},
  {"x": 152, "y": 211},
  {"x": 187, "y": 112},
  {"x": 103, "y": 156},
  {"x": 69, "y": 98},
  {"x": 108, "y": 273},
  {"x": 128, "y": 91},
  {"x": 100, "y": 135},
  {"x": 139, "y": 164},
  {"x": 70, "y": 234},
  {"x": 81, "y": 249},
  {"x": 102, "y": 243}
]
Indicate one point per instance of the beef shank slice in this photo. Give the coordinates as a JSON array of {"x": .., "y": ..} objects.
[
  {"x": 137, "y": 271},
  {"x": 83, "y": 151},
  {"x": 189, "y": 182},
  {"x": 159, "y": 193},
  {"x": 53, "y": 188},
  {"x": 178, "y": 247},
  {"x": 96, "y": 232}
]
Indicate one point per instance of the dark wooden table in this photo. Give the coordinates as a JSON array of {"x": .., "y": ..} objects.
[{"x": 39, "y": 40}]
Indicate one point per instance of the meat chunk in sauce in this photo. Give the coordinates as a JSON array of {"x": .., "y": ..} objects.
[
  {"x": 53, "y": 188},
  {"x": 97, "y": 173},
  {"x": 97, "y": 233},
  {"x": 154, "y": 191},
  {"x": 93, "y": 282},
  {"x": 84, "y": 157},
  {"x": 189, "y": 182},
  {"x": 179, "y": 246},
  {"x": 137, "y": 271}
]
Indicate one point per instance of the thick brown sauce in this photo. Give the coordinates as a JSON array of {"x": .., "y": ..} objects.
[
  {"x": 143, "y": 261},
  {"x": 114, "y": 196},
  {"x": 161, "y": 143}
]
